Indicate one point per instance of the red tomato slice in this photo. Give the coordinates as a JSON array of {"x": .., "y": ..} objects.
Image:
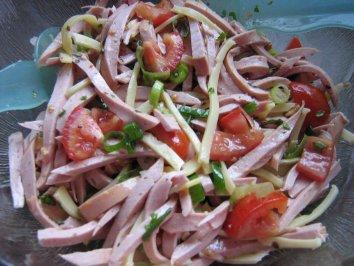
[
  {"x": 106, "y": 120},
  {"x": 81, "y": 135},
  {"x": 156, "y": 62},
  {"x": 229, "y": 147},
  {"x": 314, "y": 99},
  {"x": 255, "y": 218},
  {"x": 235, "y": 122},
  {"x": 177, "y": 140},
  {"x": 316, "y": 161},
  {"x": 155, "y": 14},
  {"x": 294, "y": 43}
]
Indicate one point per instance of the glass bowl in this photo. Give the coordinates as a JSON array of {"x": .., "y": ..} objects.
[{"x": 21, "y": 20}]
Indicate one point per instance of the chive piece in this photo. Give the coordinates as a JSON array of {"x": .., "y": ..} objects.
[
  {"x": 256, "y": 9},
  {"x": 211, "y": 90},
  {"x": 154, "y": 224},
  {"x": 250, "y": 107},
  {"x": 180, "y": 74},
  {"x": 319, "y": 145},
  {"x": 276, "y": 122},
  {"x": 47, "y": 199},
  {"x": 222, "y": 37},
  {"x": 62, "y": 113},
  {"x": 320, "y": 113},
  {"x": 197, "y": 192},
  {"x": 279, "y": 94},
  {"x": 155, "y": 93},
  {"x": 218, "y": 178},
  {"x": 83, "y": 98},
  {"x": 193, "y": 112},
  {"x": 286, "y": 126}
]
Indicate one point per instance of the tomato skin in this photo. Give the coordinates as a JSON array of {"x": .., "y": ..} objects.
[
  {"x": 254, "y": 218},
  {"x": 155, "y": 14},
  {"x": 156, "y": 62},
  {"x": 294, "y": 43},
  {"x": 314, "y": 99},
  {"x": 106, "y": 120},
  {"x": 177, "y": 140},
  {"x": 81, "y": 135},
  {"x": 314, "y": 163},
  {"x": 235, "y": 122},
  {"x": 229, "y": 147}
]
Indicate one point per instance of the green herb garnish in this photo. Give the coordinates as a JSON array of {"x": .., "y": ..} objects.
[
  {"x": 83, "y": 98},
  {"x": 250, "y": 107},
  {"x": 196, "y": 192},
  {"x": 211, "y": 90},
  {"x": 193, "y": 112},
  {"x": 217, "y": 178},
  {"x": 47, "y": 199},
  {"x": 319, "y": 145},
  {"x": 62, "y": 113},
  {"x": 154, "y": 224},
  {"x": 286, "y": 126},
  {"x": 222, "y": 36},
  {"x": 256, "y": 9}
]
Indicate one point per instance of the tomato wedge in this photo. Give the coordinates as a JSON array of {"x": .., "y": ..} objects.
[
  {"x": 177, "y": 140},
  {"x": 106, "y": 120},
  {"x": 81, "y": 135},
  {"x": 154, "y": 61},
  {"x": 235, "y": 122},
  {"x": 294, "y": 43},
  {"x": 229, "y": 147},
  {"x": 155, "y": 14},
  {"x": 316, "y": 159},
  {"x": 255, "y": 218},
  {"x": 314, "y": 99}
]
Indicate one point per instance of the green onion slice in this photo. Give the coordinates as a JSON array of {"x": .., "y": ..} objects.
[
  {"x": 319, "y": 145},
  {"x": 154, "y": 224},
  {"x": 218, "y": 178},
  {"x": 193, "y": 112},
  {"x": 180, "y": 74},
  {"x": 65, "y": 30},
  {"x": 155, "y": 93},
  {"x": 113, "y": 147},
  {"x": 279, "y": 94},
  {"x": 133, "y": 131},
  {"x": 150, "y": 77},
  {"x": 197, "y": 192},
  {"x": 62, "y": 196}
]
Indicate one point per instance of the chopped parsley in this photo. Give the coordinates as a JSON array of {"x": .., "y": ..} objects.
[
  {"x": 223, "y": 13},
  {"x": 47, "y": 199},
  {"x": 211, "y": 90},
  {"x": 250, "y": 107},
  {"x": 83, "y": 98},
  {"x": 62, "y": 113},
  {"x": 286, "y": 126},
  {"x": 222, "y": 37},
  {"x": 154, "y": 224}
]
